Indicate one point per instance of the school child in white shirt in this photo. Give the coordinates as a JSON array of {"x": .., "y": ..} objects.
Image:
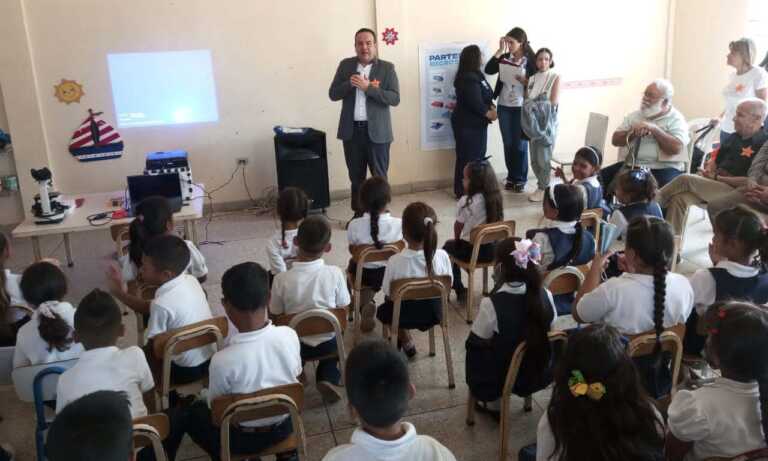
[
  {"x": 563, "y": 240},
  {"x": 599, "y": 409},
  {"x": 311, "y": 284},
  {"x": 586, "y": 168},
  {"x": 739, "y": 251},
  {"x": 636, "y": 192},
  {"x": 729, "y": 416},
  {"x": 378, "y": 391},
  {"x": 375, "y": 227},
  {"x": 179, "y": 301},
  {"x": 11, "y": 320},
  {"x": 47, "y": 337},
  {"x": 292, "y": 207},
  {"x": 421, "y": 258},
  {"x": 153, "y": 217},
  {"x": 260, "y": 356},
  {"x": 518, "y": 309},
  {"x": 481, "y": 204},
  {"x": 646, "y": 297}
]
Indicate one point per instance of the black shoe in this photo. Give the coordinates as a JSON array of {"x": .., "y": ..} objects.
[
  {"x": 508, "y": 186},
  {"x": 518, "y": 188},
  {"x": 410, "y": 351}
]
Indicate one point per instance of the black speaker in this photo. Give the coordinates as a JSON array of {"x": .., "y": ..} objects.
[{"x": 302, "y": 161}]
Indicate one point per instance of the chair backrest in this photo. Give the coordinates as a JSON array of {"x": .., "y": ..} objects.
[
  {"x": 150, "y": 431},
  {"x": 489, "y": 233},
  {"x": 24, "y": 378},
  {"x": 564, "y": 280},
  {"x": 316, "y": 321},
  {"x": 6, "y": 365},
  {"x": 192, "y": 336},
  {"x": 420, "y": 288},
  {"x": 517, "y": 359},
  {"x": 597, "y": 131},
  {"x": 363, "y": 254},
  {"x": 590, "y": 219},
  {"x": 642, "y": 345}
]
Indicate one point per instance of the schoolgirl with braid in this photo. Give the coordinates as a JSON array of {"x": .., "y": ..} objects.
[
  {"x": 376, "y": 227},
  {"x": 292, "y": 207},
  {"x": 647, "y": 297},
  {"x": 729, "y": 416}
]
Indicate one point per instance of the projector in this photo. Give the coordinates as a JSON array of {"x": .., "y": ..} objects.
[{"x": 173, "y": 161}]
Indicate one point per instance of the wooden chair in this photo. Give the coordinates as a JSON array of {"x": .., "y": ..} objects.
[
  {"x": 591, "y": 219},
  {"x": 424, "y": 288},
  {"x": 150, "y": 431},
  {"x": 363, "y": 254},
  {"x": 761, "y": 454},
  {"x": 228, "y": 410},
  {"x": 486, "y": 233},
  {"x": 121, "y": 236},
  {"x": 173, "y": 342},
  {"x": 671, "y": 341},
  {"x": 509, "y": 383},
  {"x": 317, "y": 322},
  {"x": 564, "y": 280}
]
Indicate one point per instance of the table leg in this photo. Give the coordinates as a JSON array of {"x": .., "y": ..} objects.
[
  {"x": 68, "y": 250},
  {"x": 36, "y": 248}
]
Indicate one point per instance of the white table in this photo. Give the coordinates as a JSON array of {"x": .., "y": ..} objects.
[{"x": 77, "y": 220}]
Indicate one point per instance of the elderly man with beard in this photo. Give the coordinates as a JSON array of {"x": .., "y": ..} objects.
[
  {"x": 736, "y": 175},
  {"x": 658, "y": 134}
]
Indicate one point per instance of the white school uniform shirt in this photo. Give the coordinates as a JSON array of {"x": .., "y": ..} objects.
[
  {"x": 15, "y": 297},
  {"x": 722, "y": 419},
  {"x": 704, "y": 287},
  {"x": 411, "y": 263},
  {"x": 486, "y": 324},
  {"x": 107, "y": 369},
  {"x": 256, "y": 360},
  {"x": 180, "y": 302},
  {"x": 547, "y": 253},
  {"x": 196, "y": 266},
  {"x": 673, "y": 123},
  {"x": 361, "y": 112},
  {"x": 740, "y": 87},
  {"x": 626, "y": 302},
  {"x": 281, "y": 258},
  {"x": 31, "y": 349},
  {"x": 411, "y": 446},
  {"x": 545, "y": 440},
  {"x": 359, "y": 233},
  {"x": 309, "y": 285},
  {"x": 471, "y": 215}
]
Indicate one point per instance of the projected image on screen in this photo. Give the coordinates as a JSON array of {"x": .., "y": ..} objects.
[{"x": 165, "y": 88}]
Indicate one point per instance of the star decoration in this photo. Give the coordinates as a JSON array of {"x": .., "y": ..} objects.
[
  {"x": 389, "y": 36},
  {"x": 747, "y": 151}
]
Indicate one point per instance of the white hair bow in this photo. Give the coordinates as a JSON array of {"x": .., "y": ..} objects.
[
  {"x": 525, "y": 251},
  {"x": 49, "y": 309}
]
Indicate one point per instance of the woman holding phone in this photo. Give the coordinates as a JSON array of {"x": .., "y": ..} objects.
[{"x": 514, "y": 61}]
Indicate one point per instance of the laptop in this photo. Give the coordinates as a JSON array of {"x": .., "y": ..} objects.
[{"x": 164, "y": 185}]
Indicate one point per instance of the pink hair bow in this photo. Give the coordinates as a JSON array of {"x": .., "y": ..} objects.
[{"x": 525, "y": 251}]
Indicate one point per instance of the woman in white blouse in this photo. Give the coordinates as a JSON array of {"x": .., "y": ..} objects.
[{"x": 749, "y": 81}]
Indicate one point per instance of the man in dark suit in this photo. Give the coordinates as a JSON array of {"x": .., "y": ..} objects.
[{"x": 368, "y": 86}]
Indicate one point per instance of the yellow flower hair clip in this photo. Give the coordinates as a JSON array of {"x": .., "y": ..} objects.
[{"x": 578, "y": 386}]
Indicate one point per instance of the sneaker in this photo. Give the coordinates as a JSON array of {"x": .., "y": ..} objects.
[
  {"x": 537, "y": 196},
  {"x": 368, "y": 318},
  {"x": 508, "y": 185},
  {"x": 331, "y": 392},
  {"x": 518, "y": 188}
]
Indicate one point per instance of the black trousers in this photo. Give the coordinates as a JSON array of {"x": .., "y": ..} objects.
[
  {"x": 471, "y": 144},
  {"x": 461, "y": 249},
  {"x": 362, "y": 154}
]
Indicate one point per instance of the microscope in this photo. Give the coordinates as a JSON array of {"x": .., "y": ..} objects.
[{"x": 47, "y": 208}]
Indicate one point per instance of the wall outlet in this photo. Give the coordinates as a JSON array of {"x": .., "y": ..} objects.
[{"x": 242, "y": 161}]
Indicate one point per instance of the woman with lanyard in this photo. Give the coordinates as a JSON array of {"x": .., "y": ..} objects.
[
  {"x": 749, "y": 81},
  {"x": 544, "y": 82},
  {"x": 514, "y": 61},
  {"x": 474, "y": 111}
]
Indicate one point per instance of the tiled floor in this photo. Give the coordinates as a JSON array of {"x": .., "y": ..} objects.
[{"x": 436, "y": 410}]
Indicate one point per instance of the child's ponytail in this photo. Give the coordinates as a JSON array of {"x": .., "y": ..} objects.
[
  {"x": 419, "y": 221},
  {"x": 44, "y": 285},
  {"x": 375, "y": 195},
  {"x": 52, "y": 328},
  {"x": 744, "y": 225}
]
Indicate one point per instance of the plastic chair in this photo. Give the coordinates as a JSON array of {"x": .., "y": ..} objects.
[
  {"x": 595, "y": 135},
  {"x": 37, "y": 384},
  {"x": 509, "y": 383},
  {"x": 761, "y": 454},
  {"x": 174, "y": 342},
  {"x": 228, "y": 410},
  {"x": 363, "y": 254},
  {"x": 320, "y": 321},
  {"x": 409, "y": 289},
  {"x": 486, "y": 233},
  {"x": 671, "y": 341},
  {"x": 150, "y": 431}
]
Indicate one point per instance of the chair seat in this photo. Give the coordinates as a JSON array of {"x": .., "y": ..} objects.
[
  {"x": 465, "y": 264},
  {"x": 289, "y": 444}
]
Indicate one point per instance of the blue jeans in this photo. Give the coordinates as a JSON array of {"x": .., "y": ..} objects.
[
  {"x": 327, "y": 369},
  {"x": 515, "y": 147}
]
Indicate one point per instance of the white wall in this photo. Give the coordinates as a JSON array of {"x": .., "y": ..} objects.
[{"x": 273, "y": 62}]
